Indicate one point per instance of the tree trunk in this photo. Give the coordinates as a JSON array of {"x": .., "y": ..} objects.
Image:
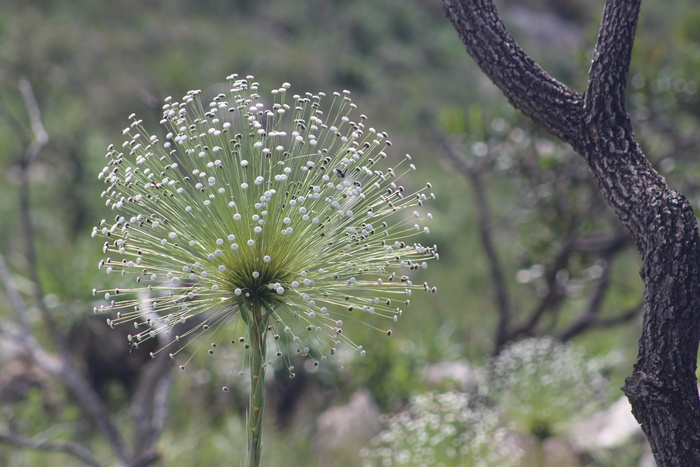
[{"x": 663, "y": 388}]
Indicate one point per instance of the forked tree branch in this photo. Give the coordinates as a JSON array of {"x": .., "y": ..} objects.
[
  {"x": 512, "y": 320},
  {"x": 663, "y": 388},
  {"x": 64, "y": 368}
]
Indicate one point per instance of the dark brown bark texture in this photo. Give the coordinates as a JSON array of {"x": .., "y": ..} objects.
[{"x": 662, "y": 388}]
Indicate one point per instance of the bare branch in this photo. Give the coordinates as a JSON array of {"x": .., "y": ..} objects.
[
  {"x": 73, "y": 449},
  {"x": 590, "y": 318},
  {"x": 22, "y": 334},
  {"x": 553, "y": 297},
  {"x": 89, "y": 400},
  {"x": 32, "y": 153},
  {"x": 41, "y": 138},
  {"x": 603, "y": 241},
  {"x": 486, "y": 236},
  {"x": 149, "y": 406},
  {"x": 590, "y": 321},
  {"x": 604, "y": 244}
]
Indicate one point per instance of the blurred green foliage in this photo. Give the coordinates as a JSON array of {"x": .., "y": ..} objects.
[{"x": 91, "y": 64}]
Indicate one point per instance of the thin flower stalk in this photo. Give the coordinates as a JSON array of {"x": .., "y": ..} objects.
[{"x": 257, "y": 332}]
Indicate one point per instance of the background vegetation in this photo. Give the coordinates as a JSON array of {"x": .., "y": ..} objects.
[{"x": 91, "y": 64}]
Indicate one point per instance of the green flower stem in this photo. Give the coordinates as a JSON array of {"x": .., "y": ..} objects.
[{"x": 257, "y": 332}]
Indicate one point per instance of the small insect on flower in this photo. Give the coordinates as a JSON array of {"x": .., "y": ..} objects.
[
  {"x": 340, "y": 172},
  {"x": 241, "y": 214}
]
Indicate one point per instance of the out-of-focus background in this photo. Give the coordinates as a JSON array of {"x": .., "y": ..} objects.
[{"x": 527, "y": 247}]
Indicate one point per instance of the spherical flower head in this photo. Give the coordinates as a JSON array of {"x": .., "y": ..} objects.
[
  {"x": 443, "y": 429},
  {"x": 531, "y": 382},
  {"x": 286, "y": 215}
]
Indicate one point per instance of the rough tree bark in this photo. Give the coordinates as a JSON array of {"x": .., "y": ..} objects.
[{"x": 662, "y": 388}]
